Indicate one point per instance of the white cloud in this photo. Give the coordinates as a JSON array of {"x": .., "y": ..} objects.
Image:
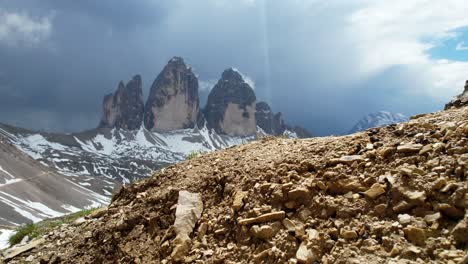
[
  {"x": 401, "y": 32},
  {"x": 18, "y": 29},
  {"x": 461, "y": 46}
]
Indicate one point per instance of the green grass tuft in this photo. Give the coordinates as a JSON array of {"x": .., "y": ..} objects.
[
  {"x": 21, "y": 232},
  {"x": 44, "y": 227},
  {"x": 193, "y": 155}
]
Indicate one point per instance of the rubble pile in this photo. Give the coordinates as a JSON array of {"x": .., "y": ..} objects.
[{"x": 396, "y": 194}]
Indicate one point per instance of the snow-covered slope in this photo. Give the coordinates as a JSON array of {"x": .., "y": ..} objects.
[
  {"x": 114, "y": 153},
  {"x": 378, "y": 119},
  {"x": 30, "y": 191}
]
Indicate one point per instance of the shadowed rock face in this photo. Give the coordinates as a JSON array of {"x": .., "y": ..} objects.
[
  {"x": 274, "y": 124},
  {"x": 124, "y": 108},
  {"x": 230, "y": 108},
  {"x": 460, "y": 100},
  {"x": 271, "y": 123},
  {"x": 173, "y": 102},
  {"x": 264, "y": 117}
]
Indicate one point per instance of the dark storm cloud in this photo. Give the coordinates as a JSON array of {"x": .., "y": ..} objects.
[{"x": 296, "y": 54}]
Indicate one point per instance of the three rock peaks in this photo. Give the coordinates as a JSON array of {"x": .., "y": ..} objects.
[{"x": 173, "y": 104}]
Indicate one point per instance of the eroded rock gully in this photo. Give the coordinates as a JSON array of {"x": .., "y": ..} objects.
[{"x": 390, "y": 195}]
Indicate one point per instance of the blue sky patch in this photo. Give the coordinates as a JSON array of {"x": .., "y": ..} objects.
[{"x": 455, "y": 48}]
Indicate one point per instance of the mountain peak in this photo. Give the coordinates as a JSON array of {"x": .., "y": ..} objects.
[
  {"x": 230, "y": 108},
  {"x": 176, "y": 60},
  {"x": 378, "y": 119},
  {"x": 173, "y": 102},
  {"x": 124, "y": 108}
]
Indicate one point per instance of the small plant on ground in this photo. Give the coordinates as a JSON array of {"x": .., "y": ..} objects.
[
  {"x": 193, "y": 155},
  {"x": 44, "y": 227}
]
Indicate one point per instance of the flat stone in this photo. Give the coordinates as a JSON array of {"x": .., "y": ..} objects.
[
  {"x": 304, "y": 255},
  {"x": 387, "y": 152},
  {"x": 189, "y": 210},
  {"x": 348, "y": 234},
  {"x": 460, "y": 231},
  {"x": 299, "y": 194},
  {"x": 450, "y": 211},
  {"x": 415, "y": 196},
  {"x": 290, "y": 226},
  {"x": 415, "y": 235},
  {"x": 15, "y": 251},
  {"x": 406, "y": 171},
  {"x": 98, "y": 213},
  {"x": 375, "y": 191},
  {"x": 347, "y": 160},
  {"x": 238, "y": 200},
  {"x": 274, "y": 216},
  {"x": 312, "y": 234},
  {"x": 438, "y": 147},
  {"x": 402, "y": 206},
  {"x": 431, "y": 218},
  {"x": 409, "y": 148},
  {"x": 262, "y": 232},
  {"x": 425, "y": 149}
]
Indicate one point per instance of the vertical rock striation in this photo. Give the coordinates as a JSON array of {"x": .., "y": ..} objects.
[
  {"x": 230, "y": 107},
  {"x": 173, "y": 102},
  {"x": 124, "y": 108}
]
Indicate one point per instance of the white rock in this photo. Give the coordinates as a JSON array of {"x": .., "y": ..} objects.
[{"x": 404, "y": 219}]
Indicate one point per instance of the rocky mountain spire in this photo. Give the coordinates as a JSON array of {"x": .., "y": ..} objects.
[
  {"x": 459, "y": 100},
  {"x": 124, "y": 108},
  {"x": 274, "y": 124},
  {"x": 230, "y": 108},
  {"x": 268, "y": 121},
  {"x": 264, "y": 117},
  {"x": 173, "y": 102}
]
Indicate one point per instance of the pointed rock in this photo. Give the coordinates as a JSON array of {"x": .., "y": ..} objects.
[
  {"x": 124, "y": 108},
  {"x": 230, "y": 108},
  {"x": 173, "y": 102}
]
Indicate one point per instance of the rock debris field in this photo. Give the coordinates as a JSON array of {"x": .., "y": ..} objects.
[{"x": 396, "y": 194}]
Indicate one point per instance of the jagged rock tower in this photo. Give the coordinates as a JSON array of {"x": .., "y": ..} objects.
[
  {"x": 124, "y": 108},
  {"x": 173, "y": 101},
  {"x": 230, "y": 108}
]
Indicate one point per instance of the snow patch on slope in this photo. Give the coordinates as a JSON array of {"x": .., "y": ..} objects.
[{"x": 382, "y": 118}]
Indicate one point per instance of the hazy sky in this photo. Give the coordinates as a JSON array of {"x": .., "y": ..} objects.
[{"x": 324, "y": 64}]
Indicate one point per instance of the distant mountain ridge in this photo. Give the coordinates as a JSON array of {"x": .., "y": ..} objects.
[
  {"x": 378, "y": 119},
  {"x": 173, "y": 104},
  {"x": 135, "y": 138},
  {"x": 31, "y": 191}
]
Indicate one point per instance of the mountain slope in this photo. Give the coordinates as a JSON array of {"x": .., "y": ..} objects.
[
  {"x": 29, "y": 191},
  {"x": 378, "y": 119},
  {"x": 125, "y": 155},
  {"x": 393, "y": 194}
]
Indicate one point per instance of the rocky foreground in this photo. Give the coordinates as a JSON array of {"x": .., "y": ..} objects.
[{"x": 388, "y": 195}]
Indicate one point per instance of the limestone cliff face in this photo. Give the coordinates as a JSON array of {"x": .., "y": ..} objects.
[
  {"x": 230, "y": 108},
  {"x": 124, "y": 108},
  {"x": 173, "y": 102},
  {"x": 460, "y": 100}
]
